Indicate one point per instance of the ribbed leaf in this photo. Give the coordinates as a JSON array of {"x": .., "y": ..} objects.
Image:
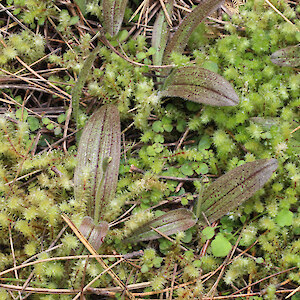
[
  {"x": 201, "y": 86},
  {"x": 235, "y": 187},
  {"x": 94, "y": 234},
  {"x": 287, "y": 57},
  {"x": 188, "y": 25},
  {"x": 160, "y": 34},
  {"x": 171, "y": 222},
  {"x": 96, "y": 173},
  {"x": 113, "y": 14}
]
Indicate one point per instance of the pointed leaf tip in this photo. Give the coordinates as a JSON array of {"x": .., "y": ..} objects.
[
  {"x": 171, "y": 222},
  {"x": 235, "y": 187},
  {"x": 287, "y": 57},
  {"x": 199, "y": 85},
  {"x": 180, "y": 38}
]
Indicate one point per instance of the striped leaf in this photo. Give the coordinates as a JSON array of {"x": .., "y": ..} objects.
[
  {"x": 171, "y": 222},
  {"x": 98, "y": 159},
  {"x": 235, "y": 187},
  {"x": 160, "y": 34},
  {"x": 113, "y": 14},
  {"x": 188, "y": 25},
  {"x": 199, "y": 85}
]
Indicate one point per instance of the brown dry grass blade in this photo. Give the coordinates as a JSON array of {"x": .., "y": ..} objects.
[
  {"x": 188, "y": 25},
  {"x": 287, "y": 57},
  {"x": 235, "y": 187},
  {"x": 201, "y": 86},
  {"x": 96, "y": 173},
  {"x": 113, "y": 14},
  {"x": 171, "y": 222}
]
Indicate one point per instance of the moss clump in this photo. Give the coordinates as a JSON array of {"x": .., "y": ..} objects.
[{"x": 166, "y": 137}]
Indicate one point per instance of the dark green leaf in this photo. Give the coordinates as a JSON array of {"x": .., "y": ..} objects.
[
  {"x": 113, "y": 14},
  {"x": 287, "y": 57},
  {"x": 171, "y": 222},
  {"x": 94, "y": 234},
  {"x": 96, "y": 173},
  {"x": 235, "y": 187},
  {"x": 188, "y": 25},
  {"x": 201, "y": 86}
]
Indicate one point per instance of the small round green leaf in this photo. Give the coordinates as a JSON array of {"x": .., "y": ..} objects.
[
  {"x": 220, "y": 246},
  {"x": 284, "y": 218},
  {"x": 208, "y": 232},
  {"x": 187, "y": 170},
  {"x": 34, "y": 123}
]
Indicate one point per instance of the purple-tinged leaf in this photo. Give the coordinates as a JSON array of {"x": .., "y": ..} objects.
[
  {"x": 287, "y": 57},
  {"x": 188, "y": 25},
  {"x": 171, "y": 222},
  {"x": 94, "y": 234},
  {"x": 235, "y": 187},
  {"x": 113, "y": 14},
  {"x": 199, "y": 85},
  {"x": 98, "y": 160}
]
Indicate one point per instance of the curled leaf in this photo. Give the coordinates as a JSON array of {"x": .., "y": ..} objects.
[
  {"x": 201, "y": 86},
  {"x": 171, "y": 222},
  {"x": 287, "y": 57},
  {"x": 235, "y": 187},
  {"x": 95, "y": 234},
  {"x": 113, "y": 14},
  {"x": 96, "y": 173},
  {"x": 188, "y": 25}
]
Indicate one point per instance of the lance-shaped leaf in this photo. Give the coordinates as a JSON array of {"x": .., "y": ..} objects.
[
  {"x": 171, "y": 222},
  {"x": 98, "y": 160},
  {"x": 287, "y": 57},
  {"x": 235, "y": 187},
  {"x": 160, "y": 34},
  {"x": 199, "y": 85},
  {"x": 188, "y": 25},
  {"x": 113, "y": 14},
  {"x": 95, "y": 234}
]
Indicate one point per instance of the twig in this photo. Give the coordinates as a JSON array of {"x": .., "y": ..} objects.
[
  {"x": 13, "y": 255},
  {"x": 282, "y": 15}
]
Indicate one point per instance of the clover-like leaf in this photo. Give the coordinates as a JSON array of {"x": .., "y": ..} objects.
[
  {"x": 96, "y": 173},
  {"x": 95, "y": 234},
  {"x": 287, "y": 57},
  {"x": 113, "y": 14},
  {"x": 199, "y": 85},
  {"x": 188, "y": 25},
  {"x": 171, "y": 222},
  {"x": 235, "y": 187}
]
